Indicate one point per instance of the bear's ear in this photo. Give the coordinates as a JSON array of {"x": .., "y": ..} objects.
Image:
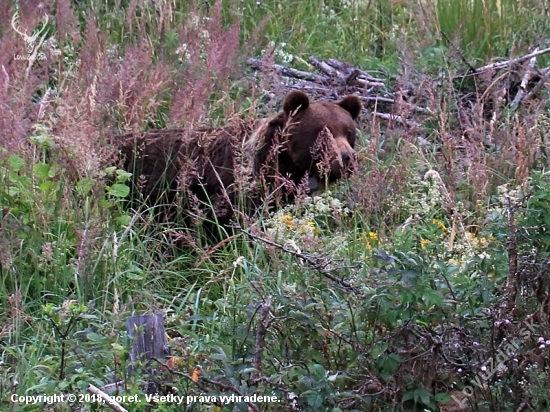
[
  {"x": 352, "y": 104},
  {"x": 294, "y": 101}
]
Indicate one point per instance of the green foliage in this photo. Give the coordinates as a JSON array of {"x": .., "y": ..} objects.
[
  {"x": 426, "y": 254},
  {"x": 46, "y": 222},
  {"x": 366, "y": 33},
  {"x": 71, "y": 349},
  {"x": 493, "y": 28},
  {"x": 537, "y": 211}
]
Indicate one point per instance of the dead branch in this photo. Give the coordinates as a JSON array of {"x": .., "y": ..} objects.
[
  {"x": 365, "y": 83},
  {"x": 352, "y": 77},
  {"x": 257, "y": 64},
  {"x": 525, "y": 81},
  {"x": 506, "y": 63},
  {"x": 113, "y": 387},
  {"x": 411, "y": 106},
  {"x": 396, "y": 118},
  {"x": 545, "y": 74},
  {"x": 317, "y": 262},
  {"x": 110, "y": 402},
  {"x": 341, "y": 66},
  {"x": 325, "y": 68},
  {"x": 457, "y": 50}
]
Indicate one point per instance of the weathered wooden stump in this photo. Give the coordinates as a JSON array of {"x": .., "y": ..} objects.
[{"x": 147, "y": 331}]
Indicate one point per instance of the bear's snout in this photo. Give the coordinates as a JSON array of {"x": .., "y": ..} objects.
[
  {"x": 348, "y": 156},
  {"x": 345, "y": 159}
]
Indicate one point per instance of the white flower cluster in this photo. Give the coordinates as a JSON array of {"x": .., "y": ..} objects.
[
  {"x": 194, "y": 22},
  {"x": 430, "y": 192},
  {"x": 300, "y": 219},
  {"x": 505, "y": 191},
  {"x": 505, "y": 194},
  {"x": 280, "y": 53},
  {"x": 467, "y": 248}
]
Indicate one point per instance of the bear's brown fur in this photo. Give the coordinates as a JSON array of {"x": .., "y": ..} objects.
[{"x": 305, "y": 140}]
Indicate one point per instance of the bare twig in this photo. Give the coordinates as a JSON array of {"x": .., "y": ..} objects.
[
  {"x": 365, "y": 83},
  {"x": 338, "y": 65},
  {"x": 545, "y": 74},
  {"x": 525, "y": 81},
  {"x": 471, "y": 68},
  {"x": 396, "y": 118},
  {"x": 501, "y": 65},
  {"x": 257, "y": 64},
  {"x": 352, "y": 77},
  {"x": 325, "y": 68},
  {"x": 411, "y": 106},
  {"x": 110, "y": 402},
  {"x": 319, "y": 263},
  {"x": 113, "y": 387}
]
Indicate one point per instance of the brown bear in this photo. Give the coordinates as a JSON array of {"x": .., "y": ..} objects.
[{"x": 260, "y": 161}]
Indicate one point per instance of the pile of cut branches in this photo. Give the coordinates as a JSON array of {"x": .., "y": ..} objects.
[{"x": 510, "y": 82}]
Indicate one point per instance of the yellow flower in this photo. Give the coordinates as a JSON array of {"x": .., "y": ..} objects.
[
  {"x": 483, "y": 242},
  {"x": 287, "y": 220},
  {"x": 424, "y": 243},
  {"x": 369, "y": 239},
  {"x": 439, "y": 224},
  {"x": 474, "y": 240}
]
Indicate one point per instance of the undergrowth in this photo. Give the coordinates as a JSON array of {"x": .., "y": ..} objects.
[{"x": 388, "y": 292}]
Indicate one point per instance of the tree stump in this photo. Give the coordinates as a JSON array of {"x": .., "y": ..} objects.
[{"x": 147, "y": 331}]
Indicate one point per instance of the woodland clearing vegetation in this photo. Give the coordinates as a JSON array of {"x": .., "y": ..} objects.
[{"x": 420, "y": 283}]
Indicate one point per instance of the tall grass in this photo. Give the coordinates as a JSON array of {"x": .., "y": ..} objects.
[
  {"x": 421, "y": 230},
  {"x": 485, "y": 29}
]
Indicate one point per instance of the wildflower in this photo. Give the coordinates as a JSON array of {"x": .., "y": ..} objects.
[
  {"x": 424, "y": 243},
  {"x": 439, "y": 224},
  {"x": 287, "y": 220},
  {"x": 484, "y": 255},
  {"x": 501, "y": 367},
  {"x": 238, "y": 262},
  {"x": 483, "y": 242},
  {"x": 308, "y": 228},
  {"x": 432, "y": 174},
  {"x": 370, "y": 239}
]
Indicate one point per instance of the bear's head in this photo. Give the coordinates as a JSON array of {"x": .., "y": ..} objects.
[{"x": 316, "y": 138}]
